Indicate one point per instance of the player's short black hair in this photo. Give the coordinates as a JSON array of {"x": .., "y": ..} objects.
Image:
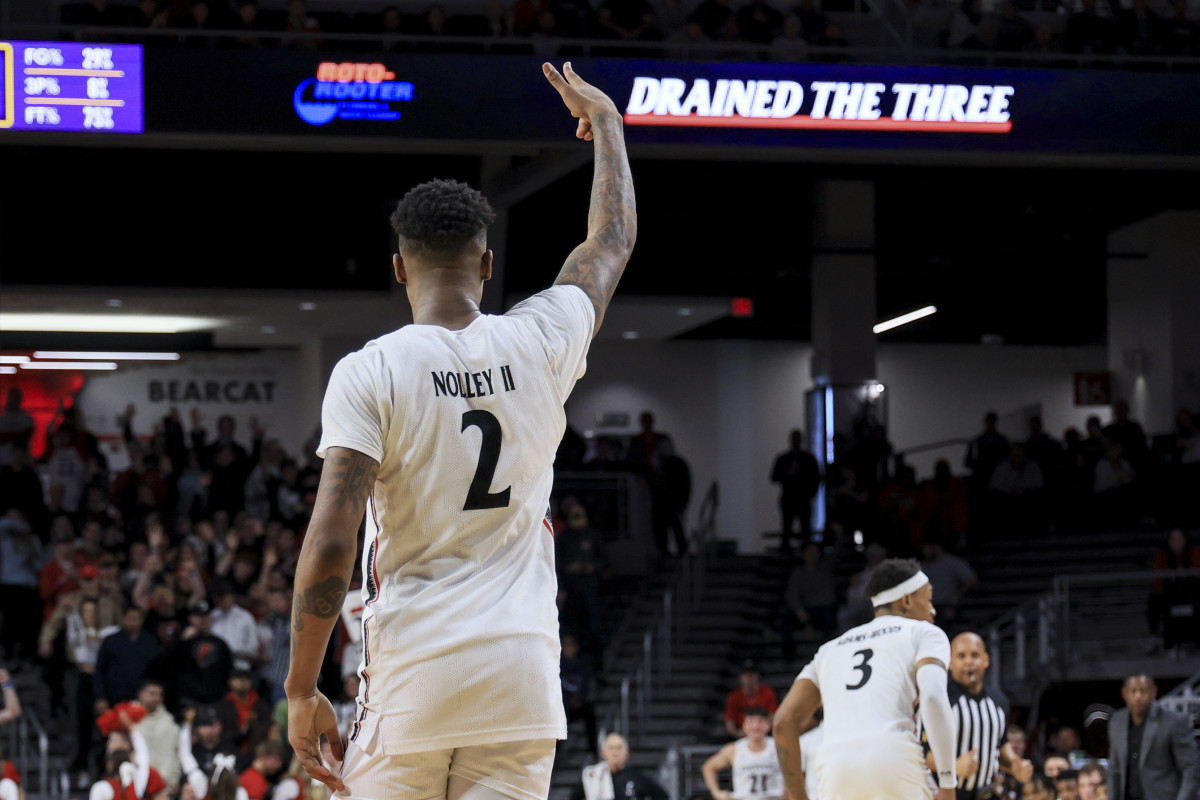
[
  {"x": 441, "y": 217},
  {"x": 891, "y": 572},
  {"x": 756, "y": 711}
]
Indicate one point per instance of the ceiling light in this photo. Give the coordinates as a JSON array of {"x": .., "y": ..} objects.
[
  {"x": 904, "y": 319},
  {"x": 267, "y": 329},
  {"x": 71, "y": 365},
  {"x": 68, "y": 355},
  {"x": 105, "y": 323},
  {"x": 684, "y": 312},
  {"x": 13, "y": 359},
  {"x": 8, "y": 370},
  {"x": 630, "y": 335},
  {"x": 114, "y": 302},
  {"x": 308, "y": 306}
]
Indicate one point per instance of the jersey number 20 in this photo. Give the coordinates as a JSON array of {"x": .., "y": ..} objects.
[{"x": 479, "y": 495}]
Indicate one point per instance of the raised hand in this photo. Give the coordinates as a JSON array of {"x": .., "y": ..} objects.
[{"x": 581, "y": 98}]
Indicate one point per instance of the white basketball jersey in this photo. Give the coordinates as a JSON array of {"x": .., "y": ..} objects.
[
  {"x": 459, "y": 624},
  {"x": 810, "y": 753},
  {"x": 867, "y": 680},
  {"x": 756, "y": 775}
]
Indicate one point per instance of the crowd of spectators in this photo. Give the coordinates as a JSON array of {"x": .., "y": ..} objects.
[
  {"x": 780, "y": 30},
  {"x": 161, "y": 586},
  {"x": 1110, "y": 476},
  {"x": 166, "y": 581}
]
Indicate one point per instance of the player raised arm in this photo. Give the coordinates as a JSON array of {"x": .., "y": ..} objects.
[
  {"x": 791, "y": 719},
  {"x": 322, "y": 579},
  {"x": 596, "y": 264}
]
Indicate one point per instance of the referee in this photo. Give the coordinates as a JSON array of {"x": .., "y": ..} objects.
[{"x": 980, "y": 722}]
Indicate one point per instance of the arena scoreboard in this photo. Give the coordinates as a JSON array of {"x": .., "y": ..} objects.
[{"x": 71, "y": 86}]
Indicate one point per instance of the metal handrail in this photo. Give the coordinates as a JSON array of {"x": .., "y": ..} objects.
[
  {"x": 22, "y": 755},
  {"x": 1053, "y": 651},
  {"x": 638, "y": 682}
]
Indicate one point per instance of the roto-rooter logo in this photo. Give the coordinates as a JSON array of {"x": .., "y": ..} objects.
[
  {"x": 927, "y": 107},
  {"x": 350, "y": 90}
]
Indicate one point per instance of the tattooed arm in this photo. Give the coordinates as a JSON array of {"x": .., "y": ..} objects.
[
  {"x": 596, "y": 264},
  {"x": 322, "y": 579},
  {"x": 791, "y": 720}
]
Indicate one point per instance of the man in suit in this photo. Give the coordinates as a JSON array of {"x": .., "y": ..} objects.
[{"x": 1152, "y": 751}]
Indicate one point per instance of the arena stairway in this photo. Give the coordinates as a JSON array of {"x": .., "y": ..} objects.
[{"x": 727, "y": 626}]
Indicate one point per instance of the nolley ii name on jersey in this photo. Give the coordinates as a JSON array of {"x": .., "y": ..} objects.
[
  {"x": 862, "y": 637},
  {"x": 471, "y": 384}
]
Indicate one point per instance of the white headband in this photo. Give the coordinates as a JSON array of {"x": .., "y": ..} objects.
[
  {"x": 222, "y": 763},
  {"x": 899, "y": 590}
]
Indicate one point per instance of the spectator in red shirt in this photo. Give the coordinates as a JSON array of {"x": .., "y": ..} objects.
[
  {"x": 259, "y": 778},
  {"x": 751, "y": 692},
  {"x": 58, "y": 577}
]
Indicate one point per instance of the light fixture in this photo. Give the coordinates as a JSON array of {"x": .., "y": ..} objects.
[
  {"x": 105, "y": 323},
  {"x": 630, "y": 335},
  {"x": 71, "y": 365},
  {"x": 8, "y": 370},
  {"x": 684, "y": 312},
  {"x": 267, "y": 329},
  {"x": 82, "y": 355},
  {"x": 308, "y": 306},
  {"x": 904, "y": 319},
  {"x": 13, "y": 359},
  {"x": 114, "y": 302}
]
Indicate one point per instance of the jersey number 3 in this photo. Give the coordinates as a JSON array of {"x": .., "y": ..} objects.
[
  {"x": 863, "y": 667},
  {"x": 479, "y": 495}
]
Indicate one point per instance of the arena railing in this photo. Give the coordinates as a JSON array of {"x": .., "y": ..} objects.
[
  {"x": 895, "y": 46},
  {"x": 629, "y": 713},
  {"x": 1089, "y": 626},
  {"x": 29, "y": 750}
]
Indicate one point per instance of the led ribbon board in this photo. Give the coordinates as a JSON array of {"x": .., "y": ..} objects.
[
  {"x": 448, "y": 102},
  {"x": 71, "y": 86}
]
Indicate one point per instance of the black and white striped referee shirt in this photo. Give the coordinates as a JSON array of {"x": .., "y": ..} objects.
[{"x": 979, "y": 724}]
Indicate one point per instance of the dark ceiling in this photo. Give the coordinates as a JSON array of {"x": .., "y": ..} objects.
[{"x": 1014, "y": 253}]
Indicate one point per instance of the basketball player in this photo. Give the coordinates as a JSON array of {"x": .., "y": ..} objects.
[
  {"x": 753, "y": 760},
  {"x": 867, "y": 681},
  {"x": 449, "y": 427}
]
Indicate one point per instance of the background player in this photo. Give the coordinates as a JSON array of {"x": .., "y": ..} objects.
[
  {"x": 449, "y": 427},
  {"x": 753, "y": 760},
  {"x": 867, "y": 680}
]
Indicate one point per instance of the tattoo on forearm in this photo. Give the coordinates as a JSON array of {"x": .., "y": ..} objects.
[
  {"x": 596, "y": 265},
  {"x": 323, "y": 601}
]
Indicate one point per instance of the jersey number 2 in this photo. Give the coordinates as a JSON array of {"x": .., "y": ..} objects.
[
  {"x": 864, "y": 668},
  {"x": 478, "y": 496}
]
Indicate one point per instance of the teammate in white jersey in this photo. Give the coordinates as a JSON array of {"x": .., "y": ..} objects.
[
  {"x": 443, "y": 433},
  {"x": 752, "y": 760},
  {"x": 868, "y": 681}
]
